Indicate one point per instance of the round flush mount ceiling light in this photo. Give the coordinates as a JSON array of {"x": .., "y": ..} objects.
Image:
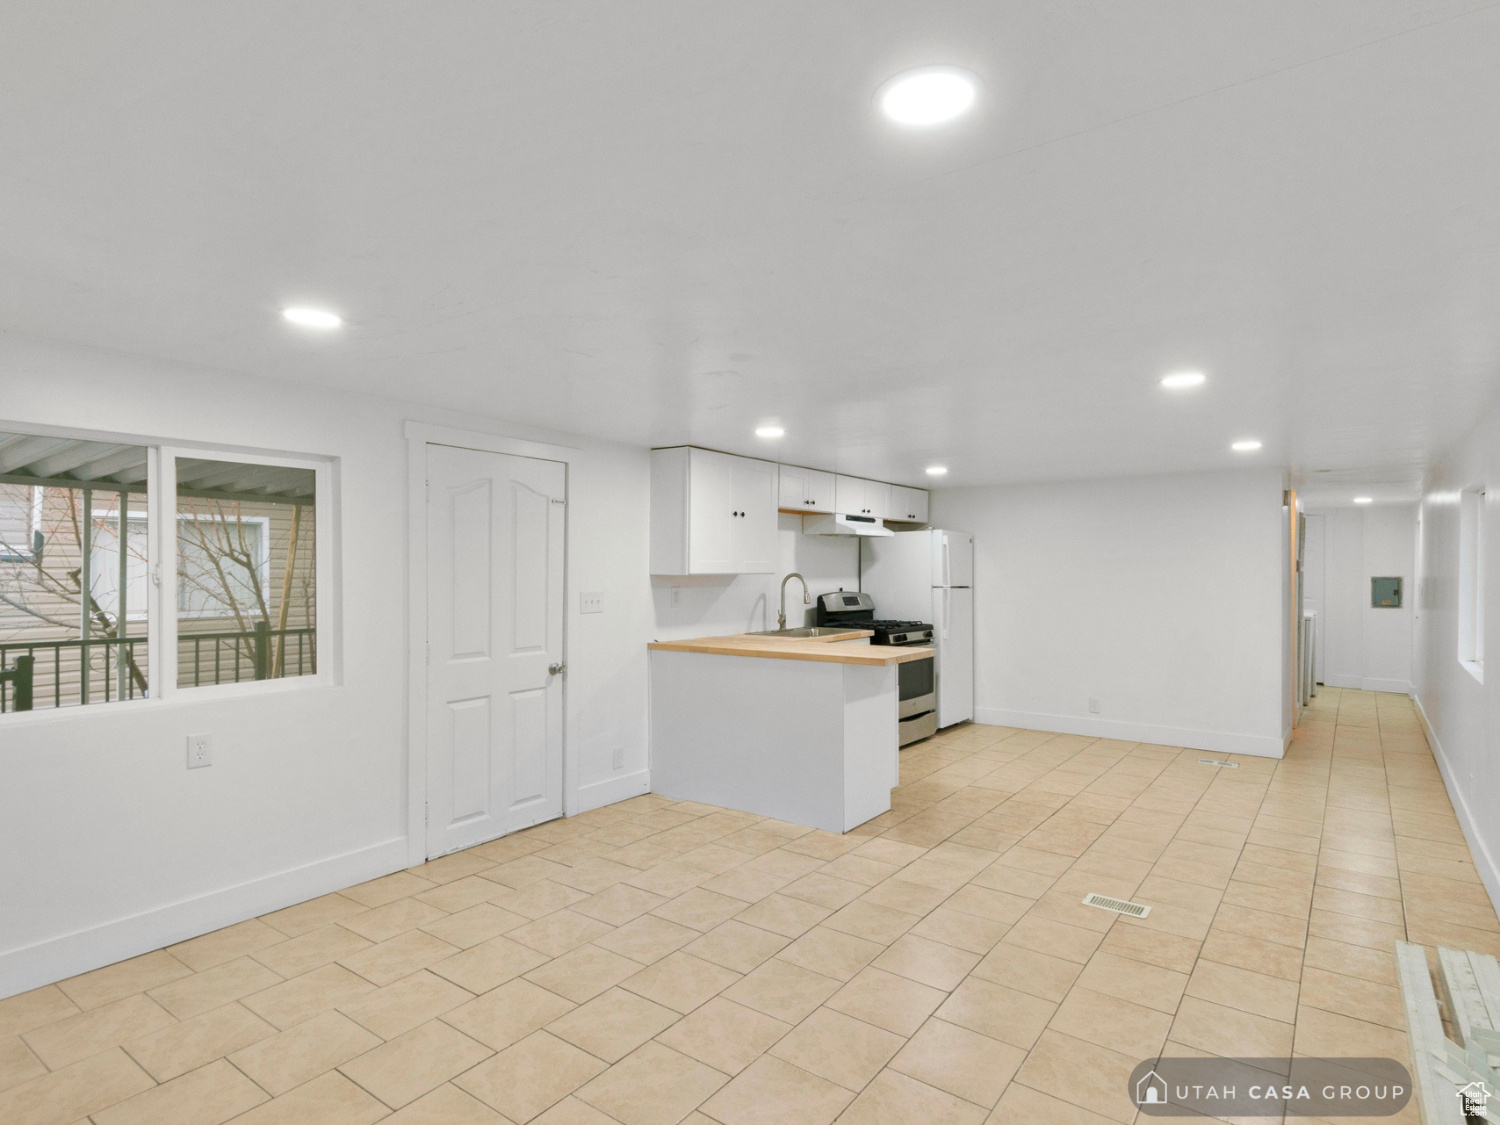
[
  {"x": 1179, "y": 380},
  {"x": 936, "y": 470},
  {"x": 769, "y": 431},
  {"x": 312, "y": 318},
  {"x": 1364, "y": 499},
  {"x": 1249, "y": 445},
  {"x": 928, "y": 95}
]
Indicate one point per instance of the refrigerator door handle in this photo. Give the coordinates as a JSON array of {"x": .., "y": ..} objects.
[
  {"x": 947, "y": 564},
  {"x": 947, "y": 609}
]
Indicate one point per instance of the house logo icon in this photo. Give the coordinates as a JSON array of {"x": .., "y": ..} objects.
[
  {"x": 1473, "y": 1096},
  {"x": 1151, "y": 1089}
]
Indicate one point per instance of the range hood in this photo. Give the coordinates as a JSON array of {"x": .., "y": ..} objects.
[{"x": 844, "y": 525}]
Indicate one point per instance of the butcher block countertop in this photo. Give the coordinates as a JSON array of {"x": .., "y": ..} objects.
[{"x": 830, "y": 650}]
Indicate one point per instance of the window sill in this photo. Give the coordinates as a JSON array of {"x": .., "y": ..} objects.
[
  {"x": 178, "y": 698},
  {"x": 1475, "y": 668}
]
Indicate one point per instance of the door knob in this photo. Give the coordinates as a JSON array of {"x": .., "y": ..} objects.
[{"x": 556, "y": 669}]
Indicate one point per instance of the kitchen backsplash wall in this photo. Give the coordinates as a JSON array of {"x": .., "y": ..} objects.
[{"x": 711, "y": 605}]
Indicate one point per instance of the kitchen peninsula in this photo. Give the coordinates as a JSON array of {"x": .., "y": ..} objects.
[{"x": 802, "y": 729}]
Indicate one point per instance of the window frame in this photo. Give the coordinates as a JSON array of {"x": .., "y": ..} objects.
[
  {"x": 164, "y": 568},
  {"x": 262, "y": 564},
  {"x": 25, "y": 557},
  {"x": 112, "y": 569}
]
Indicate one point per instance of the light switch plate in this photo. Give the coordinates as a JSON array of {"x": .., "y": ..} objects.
[
  {"x": 591, "y": 602},
  {"x": 200, "y": 751}
]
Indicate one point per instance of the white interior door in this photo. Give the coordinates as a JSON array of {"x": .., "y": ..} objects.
[{"x": 494, "y": 634}]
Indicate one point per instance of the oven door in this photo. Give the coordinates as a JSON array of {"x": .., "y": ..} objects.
[{"x": 916, "y": 681}]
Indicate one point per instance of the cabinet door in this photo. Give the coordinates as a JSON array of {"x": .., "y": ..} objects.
[
  {"x": 711, "y": 508},
  {"x": 849, "y": 496},
  {"x": 900, "y": 503},
  {"x": 752, "y": 531},
  {"x": 877, "y": 499},
  {"x": 820, "y": 490},
  {"x": 908, "y": 505},
  {"x": 917, "y": 498},
  {"x": 793, "y": 488}
]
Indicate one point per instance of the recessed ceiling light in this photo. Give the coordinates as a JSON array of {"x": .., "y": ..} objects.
[
  {"x": 936, "y": 470},
  {"x": 1249, "y": 445},
  {"x": 928, "y": 95},
  {"x": 312, "y": 318},
  {"x": 1364, "y": 499},
  {"x": 1181, "y": 379},
  {"x": 769, "y": 431}
]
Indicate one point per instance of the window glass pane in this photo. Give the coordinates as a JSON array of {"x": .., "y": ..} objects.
[
  {"x": 246, "y": 573},
  {"x": 60, "y": 505}
]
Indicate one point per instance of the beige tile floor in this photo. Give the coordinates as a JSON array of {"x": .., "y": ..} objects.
[{"x": 655, "y": 962}]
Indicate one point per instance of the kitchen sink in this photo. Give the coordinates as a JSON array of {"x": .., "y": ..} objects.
[{"x": 809, "y": 631}]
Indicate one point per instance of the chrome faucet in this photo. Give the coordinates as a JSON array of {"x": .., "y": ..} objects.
[{"x": 806, "y": 599}]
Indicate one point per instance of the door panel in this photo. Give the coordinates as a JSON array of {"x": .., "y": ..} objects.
[
  {"x": 471, "y": 533},
  {"x": 794, "y": 488},
  {"x": 495, "y": 623},
  {"x": 528, "y": 734},
  {"x": 849, "y": 495},
  {"x": 530, "y": 613},
  {"x": 753, "y": 534},
  {"x": 710, "y": 508},
  {"x": 469, "y": 737}
]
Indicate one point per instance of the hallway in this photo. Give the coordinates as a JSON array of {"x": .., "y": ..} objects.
[{"x": 653, "y": 962}]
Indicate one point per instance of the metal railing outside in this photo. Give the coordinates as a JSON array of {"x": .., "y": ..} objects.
[{"x": 29, "y": 668}]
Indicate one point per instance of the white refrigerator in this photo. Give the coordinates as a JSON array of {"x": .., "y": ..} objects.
[{"x": 928, "y": 576}]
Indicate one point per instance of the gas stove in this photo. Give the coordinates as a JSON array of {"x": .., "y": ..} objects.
[
  {"x": 857, "y": 610},
  {"x": 899, "y": 632}
]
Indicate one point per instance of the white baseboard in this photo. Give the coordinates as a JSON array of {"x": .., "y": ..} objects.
[
  {"x": 1366, "y": 683},
  {"x": 1220, "y": 742},
  {"x": 610, "y": 790},
  {"x": 70, "y": 954},
  {"x": 1484, "y": 860}
]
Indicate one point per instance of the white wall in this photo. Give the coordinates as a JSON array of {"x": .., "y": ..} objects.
[
  {"x": 111, "y": 847},
  {"x": 1365, "y": 647},
  {"x": 1462, "y": 714},
  {"x": 714, "y": 605},
  {"x": 1160, "y": 596}
]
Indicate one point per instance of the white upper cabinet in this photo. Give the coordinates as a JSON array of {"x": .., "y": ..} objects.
[
  {"x": 908, "y": 505},
  {"x": 712, "y": 513},
  {"x": 856, "y": 496},
  {"x": 806, "y": 490}
]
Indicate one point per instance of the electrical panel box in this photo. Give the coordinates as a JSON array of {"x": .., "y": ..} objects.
[{"x": 1385, "y": 593}]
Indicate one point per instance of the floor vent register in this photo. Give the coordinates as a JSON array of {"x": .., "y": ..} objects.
[{"x": 1118, "y": 905}]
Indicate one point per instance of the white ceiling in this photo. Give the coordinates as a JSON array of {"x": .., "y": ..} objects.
[{"x": 671, "y": 221}]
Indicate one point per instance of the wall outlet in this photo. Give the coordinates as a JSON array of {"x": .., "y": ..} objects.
[
  {"x": 676, "y": 596},
  {"x": 200, "y": 750},
  {"x": 617, "y": 759},
  {"x": 1093, "y": 706},
  {"x": 591, "y": 603}
]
